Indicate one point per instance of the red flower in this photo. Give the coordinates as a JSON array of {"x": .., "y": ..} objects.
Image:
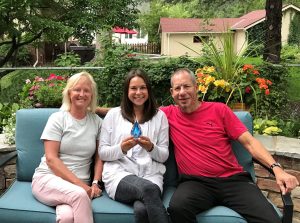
[
  {"x": 267, "y": 92},
  {"x": 247, "y": 67},
  {"x": 248, "y": 90},
  {"x": 51, "y": 77}
]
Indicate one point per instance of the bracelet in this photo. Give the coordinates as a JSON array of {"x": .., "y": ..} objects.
[
  {"x": 150, "y": 150},
  {"x": 274, "y": 165}
]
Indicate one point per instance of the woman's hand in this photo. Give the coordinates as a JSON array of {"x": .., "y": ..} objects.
[
  {"x": 146, "y": 143},
  {"x": 96, "y": 191},
  {"x": 128, "y": 143}
]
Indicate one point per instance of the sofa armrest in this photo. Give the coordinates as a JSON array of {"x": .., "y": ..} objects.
[
  {"x": 6, "y": 157},
  {"x": 288, "y": 206}
]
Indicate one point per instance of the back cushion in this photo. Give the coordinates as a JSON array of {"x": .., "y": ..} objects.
[
  {"x": 243, "y": 156},
  {"x": 29, "y": 127}
]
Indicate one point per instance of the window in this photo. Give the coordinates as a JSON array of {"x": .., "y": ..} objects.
[
  {"x": 198, "y": 39},
  {"x": 128, "y": 36},
  {"x": 141, "y": 34}
]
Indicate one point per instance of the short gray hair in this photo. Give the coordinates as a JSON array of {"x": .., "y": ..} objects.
[{"x": 184, "y": 70}]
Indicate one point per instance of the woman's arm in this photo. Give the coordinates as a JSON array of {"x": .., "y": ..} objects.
[
  {"x": 160, "y": 149},
  {"x": 59, "y": 168},
  {"x": 110, "y": 147},
  {"x": 98, "y": 168}
]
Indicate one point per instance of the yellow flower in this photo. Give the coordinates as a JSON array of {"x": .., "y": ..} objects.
[
  {"x": 221, "y": 83},
  {"x": 202, "y": 88},
  {"x": 272, "y": 130},
  {"x": 209, "y": 69},
  {"x": 209, "y": 79}
]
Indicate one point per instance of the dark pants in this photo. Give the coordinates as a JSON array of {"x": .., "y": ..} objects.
[
  {"x": 238, "y": 192},
  {"x": 145, "y": 197}
]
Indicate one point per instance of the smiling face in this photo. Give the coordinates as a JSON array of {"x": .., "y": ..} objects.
[
  {"x": 184, "y": 92},
  {"x": 81, "y": 94},
  {"x": 137, "y": 91}
]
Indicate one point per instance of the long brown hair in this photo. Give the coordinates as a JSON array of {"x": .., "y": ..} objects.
[{"x": 150, "y": 107}]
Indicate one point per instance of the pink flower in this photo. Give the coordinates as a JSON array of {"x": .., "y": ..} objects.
[
  {"x": 27, "y": 81},
  {"x": 38, "y": 79}
]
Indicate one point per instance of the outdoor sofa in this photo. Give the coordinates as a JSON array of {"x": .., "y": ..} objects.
[{"x": 17, "y": 204}]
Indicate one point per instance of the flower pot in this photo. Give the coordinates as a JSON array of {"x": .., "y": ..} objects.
[{"x": 239, "y": 107}]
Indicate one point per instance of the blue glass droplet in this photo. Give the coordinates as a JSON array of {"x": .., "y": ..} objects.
[{"x": 136, "y": 130}]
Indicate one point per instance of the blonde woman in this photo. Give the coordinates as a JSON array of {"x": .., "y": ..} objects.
[{"x": 71, "y": 135}]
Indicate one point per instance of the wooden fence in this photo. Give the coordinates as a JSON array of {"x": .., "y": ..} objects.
[{"x": 147, "y": 48}]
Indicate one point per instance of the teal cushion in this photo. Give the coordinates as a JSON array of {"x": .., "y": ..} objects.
[
  {"x": 17, "y": 205},
  {"x": 220, "y": 214},
  {"x": 243, "y": 156},
  {"x": 29, "y": 126},
  {"x": 107, "y": 210}
]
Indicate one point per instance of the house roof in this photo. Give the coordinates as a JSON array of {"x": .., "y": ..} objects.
[
  {"x": 196, "y": 25},
  {"x": 215, "y": 25}
]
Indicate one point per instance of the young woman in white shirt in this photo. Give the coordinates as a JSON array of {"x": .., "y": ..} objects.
[{"x": 134, "y": 157}]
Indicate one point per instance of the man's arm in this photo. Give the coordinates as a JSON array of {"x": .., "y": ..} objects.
[
  {"x": 285, "y": 181},
  {"x": 102, "y": 111}
]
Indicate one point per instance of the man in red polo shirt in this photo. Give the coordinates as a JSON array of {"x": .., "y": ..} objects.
[{"x": 210, "y": 174}]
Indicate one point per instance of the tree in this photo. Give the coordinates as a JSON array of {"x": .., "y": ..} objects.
[
  {"x": 149, "y": 21},
  {"x": 24, "y": 22},
  {"x": 273, "y": 31},
  {"x": 294, "y": 36}
]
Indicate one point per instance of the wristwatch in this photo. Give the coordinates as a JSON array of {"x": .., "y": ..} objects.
[
  {"x": 95, "y": 182},
  {"x": 99, "y": 183},
  {"x": 274, "y": 165}
]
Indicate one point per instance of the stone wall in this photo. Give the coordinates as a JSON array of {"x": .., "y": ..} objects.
[
  {"x": 267, "y": 183},
  {"x": 7, "y": 174}
]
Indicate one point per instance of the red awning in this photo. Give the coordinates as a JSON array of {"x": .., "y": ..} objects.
[{"x": 124, "y": 30}]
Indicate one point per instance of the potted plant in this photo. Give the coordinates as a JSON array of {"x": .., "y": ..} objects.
[{"x": 245, "y": 88}]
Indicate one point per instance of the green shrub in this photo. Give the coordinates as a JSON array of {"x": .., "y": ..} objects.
[
  {"x": 43, "y": 92},
  {"x": 266, "y": 127},
  {"x": 276, "y": 101},
  {"x": 12, "y": 84},
  {"x": 9, "y": 124},
  {"x": 6, "y": 110},
  {"x": 69, "y": 59}
]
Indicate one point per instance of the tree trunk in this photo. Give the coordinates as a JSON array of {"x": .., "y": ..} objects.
[{"x": 273, "y": 31}]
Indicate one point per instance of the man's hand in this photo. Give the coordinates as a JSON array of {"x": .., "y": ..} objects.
[{"x": 285, "y": 181}]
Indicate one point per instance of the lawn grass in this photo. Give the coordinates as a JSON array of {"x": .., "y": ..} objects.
[{"x": 293, "y": 88}]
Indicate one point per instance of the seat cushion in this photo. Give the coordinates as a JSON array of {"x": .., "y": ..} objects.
[
  {"x": 107, "y": 210},
  {"x": 17, "y": 205}
]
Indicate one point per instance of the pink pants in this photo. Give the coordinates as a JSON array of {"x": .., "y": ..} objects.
[{"x": 73, "y": 204}]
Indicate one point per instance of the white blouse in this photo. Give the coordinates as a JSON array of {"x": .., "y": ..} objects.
[{"x": 137, "y": 161}]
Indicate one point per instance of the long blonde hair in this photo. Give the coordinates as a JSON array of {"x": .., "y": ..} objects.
[{"x": 72, "y": 81}]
